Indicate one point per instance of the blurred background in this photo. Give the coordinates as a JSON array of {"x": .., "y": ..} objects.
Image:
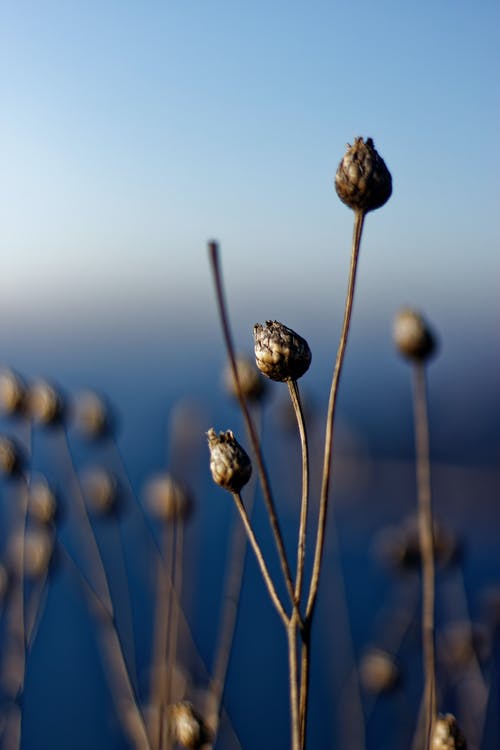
[{"x": 132, "y": 133}]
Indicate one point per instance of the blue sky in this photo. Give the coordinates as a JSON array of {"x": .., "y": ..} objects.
[{"x": 132, "y": 132}]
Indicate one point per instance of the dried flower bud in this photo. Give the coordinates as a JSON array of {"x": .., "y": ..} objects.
[
  {"x": 187, "y": 727},
  {"x": 252, "y": 384},
  {"x": 363, "y": 182},
  {"x": 92, "y": 416},
  {"x": 42, "y": 502},
  {"x": 280, "y": 353},
  {"x": 229, "y": 463},
  {"x": 45, "y": 405},
  {"x": 12, "y": 392},
  {"x": 167, "y": 499},
  {"x": 11, "y": 459},
  {"x": 447, "y": 735},
  {"x": 412, "y": 336},
  {"x": 101, "y": 491},
  {"x": 378, "y": 671}
]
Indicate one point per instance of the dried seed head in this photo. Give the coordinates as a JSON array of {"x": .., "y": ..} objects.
[
  {"x": 101, "y": 491},
  {"x": 412, "y": 336},
  {"x": 400, "y": 546},
  {"x": 42, "y": 502},
  {"x": 12, "y": 392},
  {"x": 229, "y": 463},
  {"x": 92, "y": 416},
  {"x": 186, "y": 726},
  {"x": 11, "y": 459},
  {"x": 447, "y": 735},
  {"x": 280, "y": 353},
  {"x": 363, "y": 182},
  {"x": 45, "y": 405},
  {"x": 30, "y": 553},
  {"x": 252, "y": 384},
  {"x": 167, "y": 499},
  {"x": 378, "y": 671}
]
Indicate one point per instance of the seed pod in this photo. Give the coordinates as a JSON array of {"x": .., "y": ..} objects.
[
  {"x": 447, "y": 734},
  {"x": 11, "y": 458},
  {"x": 167, "y": 499},
  {"x": 92, "y": 416},
  {"x": 378, "y": 671},
  {"x": 186, "y": 726},
  {"x": 229, "y": 463},
  {"x": 42, "y": 502},
  {"x": 412, "y": 336},
  {"x": 280, "y": 353},
  {"x": 45, "y": 405},
  {"x": 252, "y": 384},
  {"x": 101, "y": 491},
  {"x": 363, "y": 182},
  {"x": 12, "y": 392}
]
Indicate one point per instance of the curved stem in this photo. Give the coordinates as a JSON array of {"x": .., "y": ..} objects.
[
  {"x": 426, "y": 544},
  {"x": 252, "y": 432},
  {"x": 359, "y": 217},
  {"x": 260, "y": 558},
  {"x": 301, "y": 548}
]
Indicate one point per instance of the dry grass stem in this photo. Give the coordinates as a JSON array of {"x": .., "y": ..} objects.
[
  {"x": 301, "y": 547},
  {"x": 252, "y": 432}
]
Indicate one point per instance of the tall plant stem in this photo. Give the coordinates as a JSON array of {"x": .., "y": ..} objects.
[
  {"x": 359, "y": 217},
  {"x": 426, "y": 544},
  {"x": 260, "y": 559},
  {"x": 293, "y": 672},
  {"x": 252, "y": 432},
  {"x": 301, "y": 548}
]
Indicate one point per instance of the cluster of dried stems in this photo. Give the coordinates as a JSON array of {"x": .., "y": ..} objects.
[{"x": 166, "y": 718}]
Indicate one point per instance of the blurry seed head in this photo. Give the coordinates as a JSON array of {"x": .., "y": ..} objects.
[
  {"x": 30, "y": 553},
  {"x": 186, "y": 726},
  {"x": 400, "y": 546},
  {"x": 280, "y": 353},
  {"x": 412, "y": 336},
  {"x": 167, "y": 499},
  {"x": 101, "y": 491},
  {"x": 45, "y": 405},
  {"x": 12, "y": 392},
  {"x": 229, "y": 463},
  {"x": 363, "y": 181},
  {"x": 92, "y": 416},
  {"x": 447, "y": 734},
  {"x": 252, "y": 384},
  {"x": 378, "y": 671},
  {"x": 11, "y": 457},
  {"x": 43, "y": 507}
]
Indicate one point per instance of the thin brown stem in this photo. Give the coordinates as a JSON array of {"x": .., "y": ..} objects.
[
  {"x": 293, "y": 672},
  {"x": 260, "y": 558},
  {"x": 359, "y": 217},
  {"x": 252, "y": 432},
  {"x": 426, "y": 544},
  {"x": 301, "y": 547},
  {"x": 304, "y": 683}
]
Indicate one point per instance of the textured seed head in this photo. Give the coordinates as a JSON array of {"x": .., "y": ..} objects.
[
  {"x": 412, "y": 336},
  {"x": 101, "y": 491},
  {"x": 186, "y": 726},
  {"x": 229, "y": 463},
  {"x": 12, "y": 392},
  {"x": 92, "y": 416},
  {"x": 363, "y": 182},
  {"x": 45, "y": 405},
  {"x": 280, "y": 353},
  {"x": 252, "y": 384},
  {"x": 378, "y": 671},
  {"x": 167, "y": 499},
  {"x": 42, "y": 502},
  {"x": 447, "y": 734},
  {"x": 11, "y": 459}
]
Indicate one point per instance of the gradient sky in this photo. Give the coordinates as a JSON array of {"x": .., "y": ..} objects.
[{"x": 132, "y": 132}]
